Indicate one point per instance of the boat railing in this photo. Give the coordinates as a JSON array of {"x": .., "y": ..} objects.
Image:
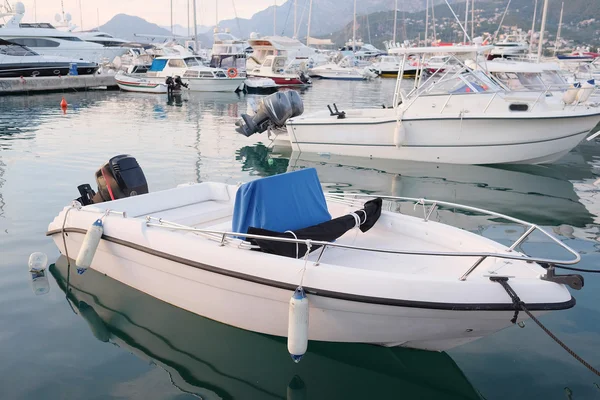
[{"x": 429, "y": 206}]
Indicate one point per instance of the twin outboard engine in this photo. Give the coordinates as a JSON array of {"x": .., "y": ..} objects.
[
  {"x": 273, "y": 111},
  {"x": 174, "y": 84},
  {"x": 120, "y": 177}
]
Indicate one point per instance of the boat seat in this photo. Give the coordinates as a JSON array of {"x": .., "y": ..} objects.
[{"x": 158, "y": 203}]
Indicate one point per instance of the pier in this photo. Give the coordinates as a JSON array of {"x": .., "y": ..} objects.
[{"x": 55, "y": 83}]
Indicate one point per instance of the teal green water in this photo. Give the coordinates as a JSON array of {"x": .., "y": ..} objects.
[{"x": 110, "y": 341}]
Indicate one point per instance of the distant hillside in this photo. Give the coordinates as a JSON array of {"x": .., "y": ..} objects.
[
  {"x": 327, "y": 16},
  {"x": 126, "y": 26},
  {"x": 581, "y": 22}
]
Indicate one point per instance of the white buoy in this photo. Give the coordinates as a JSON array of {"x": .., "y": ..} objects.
[
  {"x": 89, "y": 246},
  {"x": 298, "y": 325},
  {"x": 38, "y": 261}
]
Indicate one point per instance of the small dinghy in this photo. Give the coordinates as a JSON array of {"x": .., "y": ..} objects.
[
  {"x": 139, "y": 83},
  {"x": 356, "y": 273}
]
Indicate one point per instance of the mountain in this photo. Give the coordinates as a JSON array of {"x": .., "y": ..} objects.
[
  {"x": 126, "y": 26},
  {"x": 327, "y": 16}
]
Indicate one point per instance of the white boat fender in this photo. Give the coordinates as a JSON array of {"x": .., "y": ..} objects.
[
  {"x": 298, "y": 325},
  {"x": 587, "y": 88},
  {"x": 571, "y": 94},
  {"x": 89, "y": 246},
  {"x": 399, "y": 133}
]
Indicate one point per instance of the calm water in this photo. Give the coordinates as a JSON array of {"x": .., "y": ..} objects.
[{"x": 123, "y": 344}]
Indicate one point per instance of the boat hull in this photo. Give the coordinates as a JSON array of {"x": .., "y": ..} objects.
[
  {"x": 214, "y": 85},
  {"x": 262, "y": 305},
  {"x": 140, "y": 85},
  {"x": 283, "y": 80},
  {"x": 447, "y": 140},
  {"x": 44, "y": 69}
]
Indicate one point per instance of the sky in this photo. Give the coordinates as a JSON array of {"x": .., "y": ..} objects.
[{"x": 156, "y": 11}]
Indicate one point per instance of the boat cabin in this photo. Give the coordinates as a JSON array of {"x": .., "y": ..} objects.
[{"x": 184, "y": 66}]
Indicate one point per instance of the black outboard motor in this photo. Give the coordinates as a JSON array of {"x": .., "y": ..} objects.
[
  {"x": 120, "y": 177},
  {"x": 174, "y": 84},
  {"x": 272, "y": 112}
]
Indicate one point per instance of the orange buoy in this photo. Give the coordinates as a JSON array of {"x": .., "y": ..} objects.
[{"x": 63, "y": 103}]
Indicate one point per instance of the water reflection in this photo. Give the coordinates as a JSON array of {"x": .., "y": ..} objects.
[{"x": 215, "y": 361}]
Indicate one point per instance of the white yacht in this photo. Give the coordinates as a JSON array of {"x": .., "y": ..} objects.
[
  {"x": 297, "y": 55},
  {"x": 45, "y": 39},
  {"x": 17, "y": 61}
]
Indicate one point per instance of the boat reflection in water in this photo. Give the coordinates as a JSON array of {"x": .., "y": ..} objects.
[
  {"x": 540, "y": 194},
  {"x": 217, "y": 361}
]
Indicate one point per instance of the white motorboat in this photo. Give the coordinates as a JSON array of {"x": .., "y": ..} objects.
[
  {"x": 277, "y": 69},
  {"x": 139, "y": 83},
  {"x": 298, "y": 56},
  {"x": 236, "y": 254},
  {"x": 193, "y": 73},
  {"x": 389, "y": 66},
  {"x": 512, "y": 46},
  {"x": 228, "y": 53},
  {"x": 461, "y": 117},
  {"x": 345, "y": 69},
  {"x": 45, "y": 39}
]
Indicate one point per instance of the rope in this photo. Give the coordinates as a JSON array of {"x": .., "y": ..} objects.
[
  {"x": 520, "y": 304},
  {"x": 308, "y": 247},
  {"x": 67, "y": 255}
]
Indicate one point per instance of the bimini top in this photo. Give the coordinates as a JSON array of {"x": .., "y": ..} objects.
[
  {"x": 289, "y": 201},
  {"x": 439, "y": 50}
]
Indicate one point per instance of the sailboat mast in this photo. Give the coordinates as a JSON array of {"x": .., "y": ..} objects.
[
  {"x": 354, "y": 30},
  {"x": 433, "y": 19},
  {"x": 543, "y": 28},
  {"x": 308, "y": 27},
  {"x": 472, "y": 19},
  {"x": 426, "y": 21},
  {"x": 533, "y": 27},
  {"x": 395, "y": 20},
  {"x": 188, "y": 17},
  {"x": 171, "y": 17},
  {"x": 217, "y": 14},
  {"x": 34, "y": 11},
  {"x": 80, "y": 17},
  {"x": 295, "y": 17},
  {"x": 556, "y": 43},
  {"x": 195, "y": 29},
  {"x": 275, "y": 19},
  {"x": 98, "y": 17},
  {"x": 466, "y": 20}
]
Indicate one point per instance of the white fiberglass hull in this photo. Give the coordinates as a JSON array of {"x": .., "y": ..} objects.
[
  {"x": 394, "y": 306},
  {"x": 444, "y": 140},
  {"x": 214, "y": 85}
]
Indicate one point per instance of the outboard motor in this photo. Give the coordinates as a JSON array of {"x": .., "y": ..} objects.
[
  {"x": 120, "y": 177},
  {"x": 273, "y": 111},
  {"x": 174, "y": 84}
]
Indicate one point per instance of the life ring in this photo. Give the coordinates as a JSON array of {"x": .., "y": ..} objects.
[{"x": 232, "y": 72}]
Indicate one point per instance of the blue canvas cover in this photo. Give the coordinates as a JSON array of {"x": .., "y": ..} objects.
[
  {"x": 158, "y": 65},
  {"x": 289, "y": 201}
]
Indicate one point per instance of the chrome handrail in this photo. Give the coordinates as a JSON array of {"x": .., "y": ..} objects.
[{"x": 346, "y": 198}]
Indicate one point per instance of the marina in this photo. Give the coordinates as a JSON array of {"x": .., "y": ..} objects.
[{"x": 271, "y": 217}]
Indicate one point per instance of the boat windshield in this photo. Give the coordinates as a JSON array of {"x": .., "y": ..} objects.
[
  {"x": 464, "y": 82},
  {"x": 14, "y": 50},
  {"x": 192, "y": 62}
]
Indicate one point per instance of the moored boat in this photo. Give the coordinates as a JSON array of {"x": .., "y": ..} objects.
[
  {"x": 139, "y": 83},
  {"x": 400, "y": 281}
]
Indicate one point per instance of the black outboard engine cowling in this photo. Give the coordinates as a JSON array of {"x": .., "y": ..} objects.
[
  {"x": 273, "y": 112},
  {"x": 120, "y": 177}
]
